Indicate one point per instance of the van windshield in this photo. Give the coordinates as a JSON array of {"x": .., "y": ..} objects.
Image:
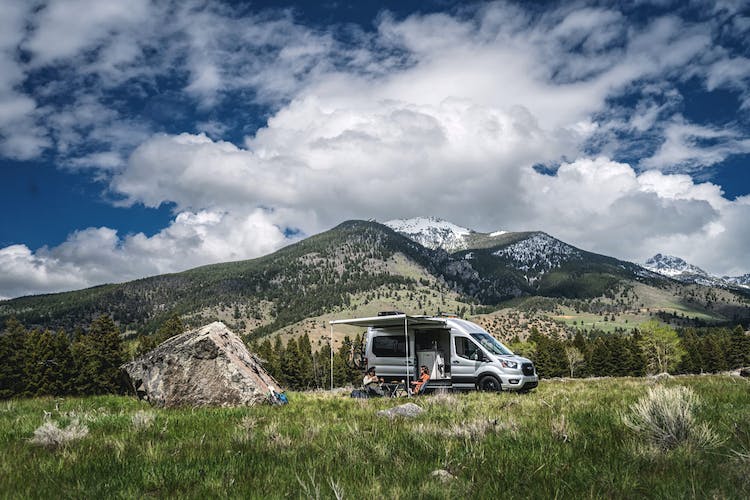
[{"x": 491, "y": 344}]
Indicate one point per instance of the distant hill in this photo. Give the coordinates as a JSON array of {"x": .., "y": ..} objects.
[{"x": 433, "y": 266}]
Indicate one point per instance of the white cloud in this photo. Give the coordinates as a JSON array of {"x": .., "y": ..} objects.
[
  {"x": 430, "y": 115},
  {"x": 20, "y": 136},
  {"x": 64, "y": 28},
  {"x": 99, "y": 255},
  {"x": 688, "y": 145}
]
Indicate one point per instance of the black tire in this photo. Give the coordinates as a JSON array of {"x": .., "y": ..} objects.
[{"x": 489, "y": 383}]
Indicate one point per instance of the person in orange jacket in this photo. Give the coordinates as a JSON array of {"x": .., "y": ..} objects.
[{"x": 424, "y": 376}]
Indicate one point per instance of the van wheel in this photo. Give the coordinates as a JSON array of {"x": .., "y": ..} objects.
[{"x": 489, "y": 383}]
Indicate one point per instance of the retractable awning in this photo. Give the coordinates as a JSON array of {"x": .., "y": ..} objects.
[{"x": 391, "y": 321}]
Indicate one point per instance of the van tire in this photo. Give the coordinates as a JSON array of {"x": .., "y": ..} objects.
[{"x": 489, "y": 383}]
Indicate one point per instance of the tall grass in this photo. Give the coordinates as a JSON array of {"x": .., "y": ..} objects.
[{"x": 330, "y": 446}]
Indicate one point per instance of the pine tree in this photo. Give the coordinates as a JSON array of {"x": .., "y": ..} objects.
[
  {"x": 637, "y": 367},
  {"x": 274, "y": 361},
  {"x": 65, "y": 367},
  {"x": 739, "y": 350},
  {"x": 323, "y": 364},
  {"x": 692, "y": 361},
  {"x": 99, "y": 354},
  {"x": 714, "y": 358},
  {"x": 600, "y": 360},
  {"x": 12, "y": 360},
  {"x": 307, "y": 376},
  {"x": 291, "y": 366},
  {"x": 40, "y": 368}
]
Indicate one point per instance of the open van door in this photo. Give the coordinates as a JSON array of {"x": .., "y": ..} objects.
[{"x": 466, "y": 357}]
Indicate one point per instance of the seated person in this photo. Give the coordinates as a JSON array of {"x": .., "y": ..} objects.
[
  {"x": 371, "y": 383},
  {"x": 424, "y": 376}
]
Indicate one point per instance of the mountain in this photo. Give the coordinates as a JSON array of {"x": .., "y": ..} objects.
[
  {"x": 432, "y": 232},
  {"x": 676, "y": 268},
  {"x": 361, "y": 267},
  {"x": 743, "y": 281}
]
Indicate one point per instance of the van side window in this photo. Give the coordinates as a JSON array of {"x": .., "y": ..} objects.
[
  {"x": 389, "y": 347},
  {"x": 466, "y": 348}
]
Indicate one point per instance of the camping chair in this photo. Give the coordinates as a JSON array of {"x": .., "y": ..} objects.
[{"x": 422, "y": 388}]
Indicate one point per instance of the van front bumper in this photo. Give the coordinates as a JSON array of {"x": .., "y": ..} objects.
[{"x": 520, "y": 382}]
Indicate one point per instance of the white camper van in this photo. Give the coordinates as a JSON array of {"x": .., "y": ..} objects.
[{"x": 459, "y": 354}]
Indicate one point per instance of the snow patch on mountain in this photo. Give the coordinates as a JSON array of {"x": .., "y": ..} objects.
[
  {"x": 669, "y": 265},
  {"x": 743, "y": 281},
  {"x": 498, "y": 233},
  {"x": 676, "y": 268},
  {"x": 539, "y": 254},
  {"x": 432, "y": 232}
]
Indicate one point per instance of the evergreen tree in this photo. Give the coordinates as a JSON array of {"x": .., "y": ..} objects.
[
  {"x": 291, "y": 366},
  {"x": 637, "y": 366},
  {"x": 307, "y": 376},
  {"x": 64, "y": 364},
  {"x": 692, "y": 361},
  {"x": 12, "y": 360},
  {"x": 40, "y": 368},
  {"x": 550, "y": 357},
  {"x": 739, "y": 349},
  {"x": 600, "y": 360},
  {"x": 274, "y": 361},
  {"x": 99, "y": 354},
  {"x": 714, "y": 357},
  {"x": 323, "y": 366}
]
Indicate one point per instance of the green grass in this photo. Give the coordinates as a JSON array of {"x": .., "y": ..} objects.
[{"x": 528, "y": 450}]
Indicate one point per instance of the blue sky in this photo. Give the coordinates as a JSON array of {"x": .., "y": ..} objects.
[{"x": 139, "y": 138}]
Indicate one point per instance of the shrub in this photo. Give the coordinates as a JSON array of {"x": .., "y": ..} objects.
[
  {"x": 51, "y": 436},
  {"x": 142, "y": 420},
  {"x": 666, "y": 418}
]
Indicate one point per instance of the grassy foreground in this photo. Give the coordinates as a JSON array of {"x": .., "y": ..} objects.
[{"x": 566, "y": 439}]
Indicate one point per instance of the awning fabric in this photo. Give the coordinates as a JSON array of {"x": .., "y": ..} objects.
[{"x": 393, "y": 321}]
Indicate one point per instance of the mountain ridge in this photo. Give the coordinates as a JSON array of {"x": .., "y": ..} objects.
[
  {"x": 680, "y": 270},
  {"x": 342, "y": 269}
]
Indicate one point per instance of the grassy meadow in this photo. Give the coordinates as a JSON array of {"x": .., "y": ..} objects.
[{"x": 567, "y": 439}]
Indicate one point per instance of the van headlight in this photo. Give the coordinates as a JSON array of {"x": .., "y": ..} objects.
[{"x": 506, "y": 363}]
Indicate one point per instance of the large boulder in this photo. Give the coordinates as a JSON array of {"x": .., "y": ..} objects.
[{"x": 206, "y": 367}]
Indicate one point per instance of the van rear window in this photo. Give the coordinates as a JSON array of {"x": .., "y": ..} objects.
[{"x": 389, "y": 346}]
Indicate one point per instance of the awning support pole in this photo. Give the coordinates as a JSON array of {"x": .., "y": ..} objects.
[
  {"x": 406, "y": 336},
  {"x": 331, "y": 358}
]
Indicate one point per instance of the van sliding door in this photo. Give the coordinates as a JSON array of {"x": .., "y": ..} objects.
[{"x": 464, "y": 362}]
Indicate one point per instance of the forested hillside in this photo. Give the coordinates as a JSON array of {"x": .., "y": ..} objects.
[{"x": 358, "y": 264}]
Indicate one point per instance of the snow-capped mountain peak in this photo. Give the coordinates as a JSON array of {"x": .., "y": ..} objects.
[
  {"x": 669, "y": 265},
  {"x": 676, "y": 268},
  {"x": 432, "y": 232}
]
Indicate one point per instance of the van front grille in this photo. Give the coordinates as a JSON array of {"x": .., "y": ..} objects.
[{"x": 528, "y": 368}]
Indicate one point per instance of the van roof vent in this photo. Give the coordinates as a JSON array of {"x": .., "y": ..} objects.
[{"x": 389, "y": 313}]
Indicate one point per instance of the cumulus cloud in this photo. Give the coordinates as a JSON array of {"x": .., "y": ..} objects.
[
  {"x": 441, "y": 114},
  {"x": 101, "y": 255}
]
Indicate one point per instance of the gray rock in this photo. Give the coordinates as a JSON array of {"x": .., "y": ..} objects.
[
  {"x": 206, "y": 367},
  {"x": 442, "y": 475},
  {"x": 408, "y": 410}
]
